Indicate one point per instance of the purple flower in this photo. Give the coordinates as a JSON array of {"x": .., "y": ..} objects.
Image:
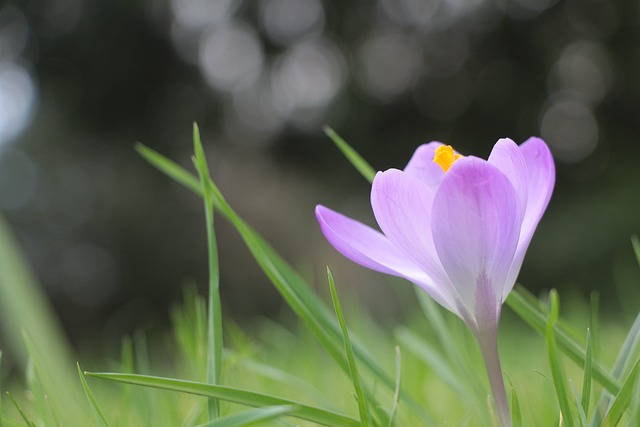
[{"x": 456, "y": 226}]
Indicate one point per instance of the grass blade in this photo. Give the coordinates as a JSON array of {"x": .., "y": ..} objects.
[
  {"x": 453, "y": 351},
  {"x": 396, "y": 393},
  {"x": 577, "y": 400},
  {"x": 520, "y": 302},
  {"x": 623, "y": 360},
  {"x": 169, "y": 168},
  {"x": 251, "y": 417},
  {"x": 25, "y": 309},
  {"x": 214, "y": 307},
  {"x": 20, "y": 411},
  {"x": 623, "y": 399},
  {"x": 635, "y": 242},
  {"x": 231, "y": 394},
  {"x": 352, "y": 155},
  {"x": 433, "y": 359},
  {"x": 293, "y": 288},
  {"x": 556, "y": 369},
  {"x": 92, "y": 400},
  {"x": 516, "y": 413},
  {"x": 586, "y": 380},
  {"x": 365, "y": 416}
]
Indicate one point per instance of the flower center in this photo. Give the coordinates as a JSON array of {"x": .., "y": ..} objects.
[{"x": 445, "y": 157}]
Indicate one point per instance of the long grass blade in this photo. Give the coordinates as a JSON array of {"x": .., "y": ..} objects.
[
  {"x": 20, "y": 411},
  {"x": 365, "y": 416},
  {"x": 92, "y": 400},
  {"x": 24, "y": 308},
  {"x": 556, "y": 369},
  {"x": 634, "y": 419},
  {"x": 586, "y": 379},
  {"x": 352, "y": 155},
  {"x": 520, "y": 302},
  {"x": 293, "y": 288},
  {"x": 582, "y": 416},
  {"x": 251, "y": 417},
  {"x": 231, "y": 394},
  {"x": 622, "y": 400},
  {"x": 626, "y": 356},
  {"x": 396, "y": 393},
  {"x": 292, "y": 382},
  {"x": 214, "y": 307}
]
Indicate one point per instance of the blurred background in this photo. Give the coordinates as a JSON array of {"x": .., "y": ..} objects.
[{"x": 113, "y": 241}]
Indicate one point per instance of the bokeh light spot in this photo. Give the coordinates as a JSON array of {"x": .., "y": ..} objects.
[
  {"x": 287, "y": 20},
  {"x": 387, "y": 64},
  {"x": 231, "y": 57},
  {"x": 17, "y": 98},
  {"x": 201, "y": 13},
  {"x": 306, "y": 78},
  {"x": 583, "y": 69},
  {"x": 570, "y": 129}
]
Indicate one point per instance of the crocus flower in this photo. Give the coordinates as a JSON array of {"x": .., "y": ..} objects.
[{"x": 458, "y": 227}]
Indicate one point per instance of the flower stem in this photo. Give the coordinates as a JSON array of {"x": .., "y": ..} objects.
[{"x": 488, "y": 340}]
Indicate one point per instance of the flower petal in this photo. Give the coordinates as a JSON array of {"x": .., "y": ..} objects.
[
  {"x": 371, "y": 249},
  {"x": 541, "y": 176},
  {"x": 508, "y": 158},
  {"x": 402, "y": 206},
  {"x": 422, "y": 166},
  {"x": 476, "y": 225}
]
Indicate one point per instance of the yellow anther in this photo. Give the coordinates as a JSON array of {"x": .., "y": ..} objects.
[{"x": 445, "y": 157}]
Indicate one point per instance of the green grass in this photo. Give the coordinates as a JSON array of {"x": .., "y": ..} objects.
[{"x": 324, "y": 362}]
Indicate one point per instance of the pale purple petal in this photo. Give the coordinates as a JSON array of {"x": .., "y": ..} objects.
[
  {"x": 402, "y": 206},
  {"x": 371, "y": 249},
  {"x": 507, "y": 157},
  {"x": 422, "y": 166},
  {"x": 475, "y": 223},
  {"x": 541, "y": 176}
]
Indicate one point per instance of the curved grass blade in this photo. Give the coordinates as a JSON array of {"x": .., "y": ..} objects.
[
  {"x": 92, "y": 400},
  {"x": 623, "y": 398},
  {"x": 214, "y": 307},
  {"x": 293, "y": 288},
  {"x": 556, "y": 370},
  {"x": 520, "y": 302},
  {"x": 352, "y": 155},
  {"x": 365, "y": 416},
  {"x": 251, "y": 417},
  {"x": 243, "y": 397}
]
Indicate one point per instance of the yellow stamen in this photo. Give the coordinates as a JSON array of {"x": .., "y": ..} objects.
[{"x": 445, "y": 157}]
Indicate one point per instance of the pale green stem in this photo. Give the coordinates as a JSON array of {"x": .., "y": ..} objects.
[{"x": 488, "y": 341}]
